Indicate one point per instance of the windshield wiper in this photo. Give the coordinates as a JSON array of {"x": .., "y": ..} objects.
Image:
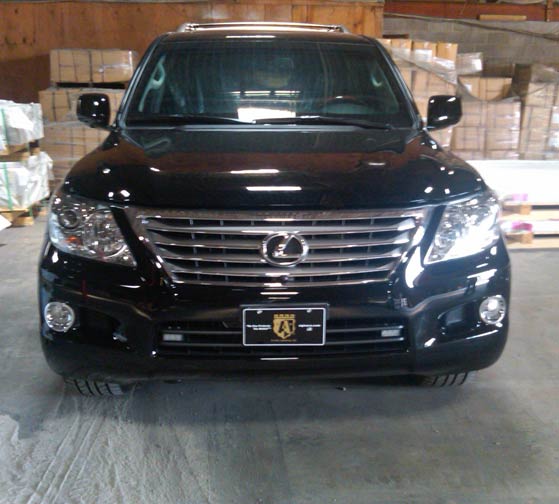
[
  {"x": 180, "y": 119},
  {"x": 326, "y": 120}
]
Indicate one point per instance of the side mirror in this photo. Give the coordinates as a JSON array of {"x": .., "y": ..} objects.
[
  {"x": 443, "y": 111},
  {"x": 94, "y": 110}
]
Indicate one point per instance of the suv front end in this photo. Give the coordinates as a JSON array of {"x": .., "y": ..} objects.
[{"x": 301, "y": 245}]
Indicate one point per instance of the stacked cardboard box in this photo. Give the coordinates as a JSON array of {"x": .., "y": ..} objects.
[
  {"x": 67, "y": 142},
  {"x": 425, "y": 84},
  {"x": 71, "y": 71},
  {"x": 427, "y": 68},
  {"x": 538, "y": 87},
  {"x": 59, "y": 103},
  {"x": 91, "y": 65},
  {"x": 488, "y": 130}
]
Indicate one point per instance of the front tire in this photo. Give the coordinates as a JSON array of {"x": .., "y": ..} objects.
[
  {"x": 96, "y": 389},
  {"x": 448, "y": 380}
]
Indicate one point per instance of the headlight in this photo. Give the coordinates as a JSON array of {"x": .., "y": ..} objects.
[
  {"x": 466, "y": 228},
  {"x": 87, "y": 229}
]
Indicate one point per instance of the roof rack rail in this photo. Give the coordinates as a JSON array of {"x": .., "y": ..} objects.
[{"x": 186, "y": 27}]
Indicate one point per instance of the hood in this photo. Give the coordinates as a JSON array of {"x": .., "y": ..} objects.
[{"x": 235, "y": 168}]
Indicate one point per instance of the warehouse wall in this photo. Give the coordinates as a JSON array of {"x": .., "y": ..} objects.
[
  {"x": 30, "y": 29},
  {"x": 517, "y": 42}
]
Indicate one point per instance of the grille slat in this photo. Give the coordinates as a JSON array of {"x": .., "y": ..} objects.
[
  {"x": 277, "y": 272},
  {"x": 224, "y": 247},
  {"x": 250, "y": 259}
]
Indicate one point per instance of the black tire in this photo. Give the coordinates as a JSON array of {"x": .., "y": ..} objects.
[
  {"x": 95, "y": 389},
  {"x": 448, "y": 380}
]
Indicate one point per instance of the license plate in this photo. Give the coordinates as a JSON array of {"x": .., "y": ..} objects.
[{"x": 284, "y": 326}]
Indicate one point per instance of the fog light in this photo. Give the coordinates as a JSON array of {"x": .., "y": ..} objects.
[
  {"x": 493, "y": 309},
  {"x": 60, "y": 317}
]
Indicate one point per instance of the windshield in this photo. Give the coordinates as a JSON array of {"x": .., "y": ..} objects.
[{"x": 254, "y": 79}]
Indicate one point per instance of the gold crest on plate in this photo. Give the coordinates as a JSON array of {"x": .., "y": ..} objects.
[{"x": 284, "y": 325}]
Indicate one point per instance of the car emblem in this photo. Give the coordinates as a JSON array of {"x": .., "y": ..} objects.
[
  {"x": 284, "y": 249},
  {"x": 284, "y": 325}
]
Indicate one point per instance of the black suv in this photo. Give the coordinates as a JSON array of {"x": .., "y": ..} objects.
[{"x": 269, "y": 202}]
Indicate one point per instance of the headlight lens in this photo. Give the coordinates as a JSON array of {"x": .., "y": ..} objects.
[
  {"x": 87, "y": 229},
  {"x": 466, "y": 228}
]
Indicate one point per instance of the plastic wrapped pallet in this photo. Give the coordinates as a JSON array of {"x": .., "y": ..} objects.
[
  {"x": 538, "y": 87},
  {"x": 59, "y": 104},
  {"x": 469, "y": 63},
  {"x": 92, "y": 65},
  {"x": 24, "y": 183},
  {"x": 20, "y": 124}
]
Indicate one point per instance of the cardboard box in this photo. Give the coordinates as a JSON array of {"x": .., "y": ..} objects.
[
  {"x": 401, "y": 43},
  {"x": 468, "y": 155},
  {"x": 554, "y": 119},
  {"x": 505, "y": 154},
  {"x": 407, "y": 75},
  {"x": 422, "y": 105},
  {"x": 422, "y": 45},
  {"x": 70, "y": 140},
  {"x": 487, "y": 88},
  {"x": 502, "y": 139},
  {"x": 473, "y": 113},
  {"x": 447, "y": 50},
  {"x": 533, "y": 140},
  {"x": 494, "y": 88},
  {"x": 91, "y": 65},
  {"x": 504, "y": 114},
  {"x": 469, "y": 63},
  {"x": 59, "y": 104},
  {"x": 534, "y": 117},
  {"x": 471, "y": 84},
  {"x": 468, "y": 139},
  {"x": 70, "y": 65},
  {"x": 539, "y": 94},
  {"x": 112, "y": 65},
  {"x": 426, "y": 84}
]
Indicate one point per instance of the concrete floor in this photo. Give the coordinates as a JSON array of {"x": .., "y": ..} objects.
[{"x": 494, "y": 441}]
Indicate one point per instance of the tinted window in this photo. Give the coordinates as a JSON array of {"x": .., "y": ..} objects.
[{"x": 261, "y": 78}]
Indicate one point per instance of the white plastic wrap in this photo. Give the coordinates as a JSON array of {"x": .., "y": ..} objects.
[
  {"x": 20, "y": 123},
  {"x": 24, "y": 183}
]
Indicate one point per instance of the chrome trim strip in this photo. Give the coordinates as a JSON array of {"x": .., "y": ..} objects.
[
  {"x": 257, "y": 259},
  {"x": 273, "y": 215},
  {"x": 282, "y": 272},
  {"x": 296, "y": 284},
  {"x": 152, "y": 225}
]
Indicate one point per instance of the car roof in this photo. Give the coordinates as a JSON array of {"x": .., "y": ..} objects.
[{"x": 286, "y": 31}]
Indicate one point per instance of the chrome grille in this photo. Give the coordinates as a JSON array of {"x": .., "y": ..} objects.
[{"x": 224, "y": 247}]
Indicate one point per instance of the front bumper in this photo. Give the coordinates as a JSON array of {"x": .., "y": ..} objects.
[{"x": 121, "y": 311}]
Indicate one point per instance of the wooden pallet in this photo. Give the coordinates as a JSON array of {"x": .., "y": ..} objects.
[
  {"x": 19, "y": 153},
  {"x": 542, "y": 226},
  {"x": 21, "y": 217},
  {"x": 537, "y": 243}
]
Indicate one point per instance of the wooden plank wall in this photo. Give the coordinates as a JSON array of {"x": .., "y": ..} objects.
[
  {"x": 29, "y": 30},
  {"x": 458, "y": 9}
]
